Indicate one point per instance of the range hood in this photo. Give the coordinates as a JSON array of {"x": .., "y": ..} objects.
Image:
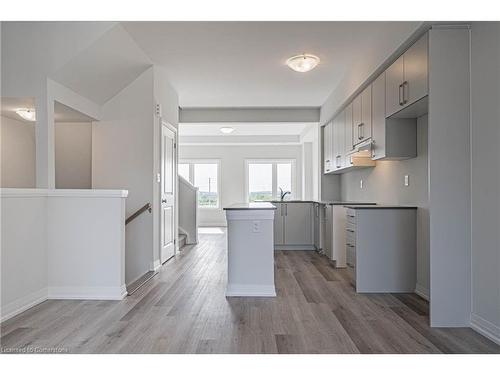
[{"x": 363, "y": 149}]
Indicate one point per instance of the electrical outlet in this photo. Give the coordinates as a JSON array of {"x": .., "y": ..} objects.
[
  {"x": 407, "y": 180},
  {"x": 256, "y": 226},
  {"x": 361, "y": 184}
]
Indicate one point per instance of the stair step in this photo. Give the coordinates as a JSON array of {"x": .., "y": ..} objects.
[{"x": 182, "y": 240}]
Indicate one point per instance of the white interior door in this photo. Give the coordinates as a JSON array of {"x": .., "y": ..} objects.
[{"x": 168, "y": 192}]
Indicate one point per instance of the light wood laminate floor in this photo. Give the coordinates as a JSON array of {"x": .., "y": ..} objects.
[{"x": 184, "y": 310}]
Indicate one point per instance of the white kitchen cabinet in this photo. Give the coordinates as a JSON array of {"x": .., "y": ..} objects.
[
  {"x": 279, "y": 223},
  {"x": 338, "y": 235},
  {"x": 381, "y": 248},
  {"x": 348, "y": 142},
  {"x": 294, "y": 224},
  {"x": 362, "y": 116},
  {"x": 328, "y": 163},
  {"x": 392, "y": 138},
  {"x": 298, "y": 223},
  {"x": 316, "y": 227},
  {"x": 328, "y": 218},
  {"x": 338, "y": 141},
  {"x": 407, "y": 78}
]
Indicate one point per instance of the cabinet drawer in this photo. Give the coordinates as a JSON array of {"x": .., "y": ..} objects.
[
  {"x": 350, "y": 237},
  {"x": 351, "y": 255}
]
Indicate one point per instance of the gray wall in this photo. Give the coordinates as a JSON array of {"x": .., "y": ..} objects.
[
  {"x": 18, "y": 158},
  {"x": 485, "y": 176},
  {"x": 385, "y": 184},
  {"x": 73, "y": 155}
]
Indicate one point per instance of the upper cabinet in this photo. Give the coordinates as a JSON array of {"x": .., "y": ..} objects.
[
  {"x": 328, "y": 164},
  {"x": 392, "y": 138},
  {"x": 362, "y": 116},
  {"x": 348, "y": 142},
  {"x": 406, "y": 78},
  {"x": 339, "y": 141}
]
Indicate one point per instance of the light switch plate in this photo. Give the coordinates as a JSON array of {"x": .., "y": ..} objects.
[
  {"x": 361, "y": 184},
  {"x": 407, "y": 180}
]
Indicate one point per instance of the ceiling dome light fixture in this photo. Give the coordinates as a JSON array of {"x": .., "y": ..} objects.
[
  {"x": 226, "y": 130},
  {"x": 27, "y": 114},
  {"x": 303, "y": 63}
]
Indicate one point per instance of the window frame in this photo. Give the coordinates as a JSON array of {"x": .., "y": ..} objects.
[
  {"x": 274, "y": 182},
  {"x": 191, "y": 163}
]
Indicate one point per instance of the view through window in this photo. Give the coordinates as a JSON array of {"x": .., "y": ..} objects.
[
  {"x": 265, "y": 178},
  {"x": 203, "y": 175}
]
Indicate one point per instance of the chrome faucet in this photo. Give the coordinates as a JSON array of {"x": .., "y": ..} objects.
[{"x": 283, "y": 194}]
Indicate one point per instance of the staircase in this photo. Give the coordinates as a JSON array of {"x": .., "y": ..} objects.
[
  {"x": 188, "y": 213},
  {"x": 182, "y": 240}
]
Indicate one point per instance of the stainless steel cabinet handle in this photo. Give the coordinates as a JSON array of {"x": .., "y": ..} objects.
[
  {"x": 405, "y": 92},
  {"x": 360, "y": 134},
  {"x": 400, "y": 100},
  {"x": 350, "y": 230}
]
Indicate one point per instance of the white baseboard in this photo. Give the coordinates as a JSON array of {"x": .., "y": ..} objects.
[
  {"x": 245, "y": 290},
  {"x": 295, "y": 247},
  {"x": 422, "y": 292},
  {"x": 156, "y": 265},
  {"x": 22, "y": 304},
  {"x": 485, "y": 328},
  {"x": 99, "y": 293}
]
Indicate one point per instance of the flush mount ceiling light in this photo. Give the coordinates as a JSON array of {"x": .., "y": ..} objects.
[
  {"x": 27, "y": 114},
  {"x": 226, "y": 130},
  {"x": 303, "y": 63}
]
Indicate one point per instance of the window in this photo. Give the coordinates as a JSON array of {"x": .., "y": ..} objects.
[
  {"x": 204, "y": 174},
  {"x": 266, "y": 177}
]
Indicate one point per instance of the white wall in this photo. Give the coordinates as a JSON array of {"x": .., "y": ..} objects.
[
  {"x": 385, "y": 184},
  {"x": 73, "y": 155},
  {"x": 122, "y": 158},
  {"x": 49, "y": 252},
  {"x": 485, "y": 177},
  {"x": 23, "y": 252},
  {"x": 18, "y": 162},
  {"x": 311, "y": 167},
  {"x": 86, "y": 252},
  {"x": 232, "y": 171}
]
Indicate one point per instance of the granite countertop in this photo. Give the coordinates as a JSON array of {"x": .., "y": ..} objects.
[
  {"x": 251, "y": 206},
  {"x": 379, "y": 206}
]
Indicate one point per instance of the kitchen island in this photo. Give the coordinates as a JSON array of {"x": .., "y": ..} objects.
[{"x": 250, "y": 247}]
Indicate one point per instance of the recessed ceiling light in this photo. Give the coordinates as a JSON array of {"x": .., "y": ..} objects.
[
  {"x": 27, "y": 114},
  {"x": 303, "y": 63},
  {"x": 226, "y": 130}
]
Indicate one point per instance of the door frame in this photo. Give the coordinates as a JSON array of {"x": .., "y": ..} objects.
[{"x": 176, "y": 187}]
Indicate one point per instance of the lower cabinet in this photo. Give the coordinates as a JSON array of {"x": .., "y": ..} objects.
[
  {"x": 293, "y": 226},
  {"x": 380, "y": 248}
]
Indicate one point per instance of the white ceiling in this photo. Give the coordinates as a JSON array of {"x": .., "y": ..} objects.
[
  {"x": 242, "y": 129},
  {"x": 242, "y": 64},
  {"x": 62, "y": 113},
  {"x": 104, "y": 68}
]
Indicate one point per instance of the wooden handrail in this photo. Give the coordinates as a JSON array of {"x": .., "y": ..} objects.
[{"x": 146, "y": 207}]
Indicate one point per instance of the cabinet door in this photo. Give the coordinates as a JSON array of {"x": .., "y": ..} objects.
[
  {"x": 298, "y": 223},
  {"x": 356, "y": 119},
  {"x": 327, "y": 245},
  {"x": 394, "y": 78},
  {"x": 349, "y": 145},
  {"x": 316, "y": 226},
  {"x": 378, "y": 117},
  {"x": 327, "y": 151},
  {"x": 415, "y": 72},
  {"x": 366, "y": 114},
  {"x": 278, "y": 224},
  {"x": 339, "y": 138}
]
